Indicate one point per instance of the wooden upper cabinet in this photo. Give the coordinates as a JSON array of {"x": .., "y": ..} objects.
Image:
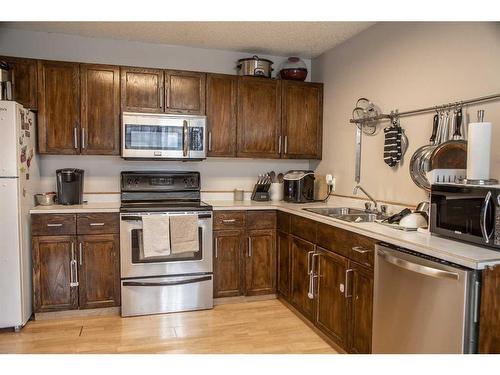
[
  {"x": 302, "y": 120},
  {"x": 100, "y": 109},
  {"x": 23, "y": 80},
  {"x": 261, "y": 262},
  {"x": 332, "y": 302},
  {"x": 259, "y": 117},
  {"x": 185, "y": 92},
  {"x": 52, "y": 274},
  {"x": 58, "y": 107},
  {"x": 142, "y": 89},
  {"x": 99, "y": 276},
  {"x": 221, "y": 114}
]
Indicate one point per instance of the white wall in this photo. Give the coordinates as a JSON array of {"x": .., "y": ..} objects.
[
  {"x": 102, "y": 173},
  {"x": 404, "y": 66}
]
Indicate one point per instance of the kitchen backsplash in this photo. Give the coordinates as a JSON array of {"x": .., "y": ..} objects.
[{"x": 102, "y": 173}]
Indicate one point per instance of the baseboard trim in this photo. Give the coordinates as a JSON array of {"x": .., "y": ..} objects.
[
  {"x": 328, "y": 340},
  {"x": 242, "y": 299},
  {"x": 67, "y": 314}
]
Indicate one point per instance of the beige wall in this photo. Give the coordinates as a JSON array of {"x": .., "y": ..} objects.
[{"x": 403, "y": 66}]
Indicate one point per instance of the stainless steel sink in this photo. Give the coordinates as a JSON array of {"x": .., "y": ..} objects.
[{"x": 352, "y": 215}]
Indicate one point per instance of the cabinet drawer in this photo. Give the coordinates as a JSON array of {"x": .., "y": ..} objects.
[
  {"x": 53, "y": 224},
  {"x": 346, "y": 243},
  {"x": 261, "y": 219},
  {"x": 229, "y": 219},
  {"x": 283, "y": 221},
  {"x": 98, "y": 223},
  {"x": 304, "y": 228}
]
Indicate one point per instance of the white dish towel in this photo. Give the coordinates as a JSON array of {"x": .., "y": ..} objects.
[
  {"x": 156, "y": 235},
  {"x": 184, "y": 233}
]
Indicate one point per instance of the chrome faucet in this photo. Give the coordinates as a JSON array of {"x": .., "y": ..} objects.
[{"x": 359, "y": 187}]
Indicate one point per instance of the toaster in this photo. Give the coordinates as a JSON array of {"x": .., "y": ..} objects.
[{"x": 299, "y": 186}]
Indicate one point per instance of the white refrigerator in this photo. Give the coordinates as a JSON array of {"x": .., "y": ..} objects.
[{"x": 19, "y": 179}]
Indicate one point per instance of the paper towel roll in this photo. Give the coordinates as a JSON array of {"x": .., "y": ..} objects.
[{"x": 479, "y": 151}]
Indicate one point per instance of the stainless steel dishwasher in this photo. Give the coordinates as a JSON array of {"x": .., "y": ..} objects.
[{"x": 423, "y": 304}]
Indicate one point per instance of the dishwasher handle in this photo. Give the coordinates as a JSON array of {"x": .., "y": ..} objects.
[{"x": 414, "y": 267}]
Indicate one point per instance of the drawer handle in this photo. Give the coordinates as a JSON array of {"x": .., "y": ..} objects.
[
  {"x": 361, "y": 250},
  {"x": 96, "y": 224},
  {"x": 54, "y": 225},
  {"x": 228, "y": 220}
]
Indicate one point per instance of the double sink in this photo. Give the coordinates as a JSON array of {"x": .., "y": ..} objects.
[{"x": 352, "y": 215}]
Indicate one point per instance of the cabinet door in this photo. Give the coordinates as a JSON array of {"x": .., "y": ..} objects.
[
  {"x": 221, "y": 114},
  {"x": 284, "y": 264},
  {"x": 302, "y": 116},
  {"x": 261, "y": 262},
  {"x": 23, "y": 80},
  {"x": 489, "y": 323},
  {"x": 302, "y": 252},
  {"x": 185, "y": 92},
  {"x": 100, "y": 109},
  {"x": 361, "y": 309},
  {"x": 227, "y": 263},
  {"x": 99, "y": 266},
  {"x": 332, "y": 303},
  {"x": 259, "y": 117},
  {"x": 54, "y": 269},
  {"x": 58, "y": 107},
  {"x": 141, "y": 90}
]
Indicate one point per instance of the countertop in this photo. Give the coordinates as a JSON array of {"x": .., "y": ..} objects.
[{"x": 471, "y": 256}]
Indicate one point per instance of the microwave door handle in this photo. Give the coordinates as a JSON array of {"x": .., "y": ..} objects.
[
  {"x": 482, "y": 219},
  {"x": 185, "y": 142}
]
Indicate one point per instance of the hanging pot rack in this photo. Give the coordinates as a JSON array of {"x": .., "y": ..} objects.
[{"x": 424, "y": 110}]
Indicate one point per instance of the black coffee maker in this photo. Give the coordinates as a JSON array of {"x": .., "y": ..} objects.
[{"x": 69, "y": 186}]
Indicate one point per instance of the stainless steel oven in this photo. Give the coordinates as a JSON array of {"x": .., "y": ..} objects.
[
  {"x": 466, "y": 213},
  {"x": 168, "y": 283},
  {"x": 162, "y": 136},
  {"x": 134, "y": 264}
]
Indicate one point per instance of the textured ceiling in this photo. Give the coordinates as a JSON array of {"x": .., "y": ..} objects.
[{"x": 305, "y": 39}]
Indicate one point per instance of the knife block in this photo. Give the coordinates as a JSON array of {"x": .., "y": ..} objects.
[{"x": 260, "y": 192}]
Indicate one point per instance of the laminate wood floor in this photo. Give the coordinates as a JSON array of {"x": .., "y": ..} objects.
[{"x": 248, "y": 327}]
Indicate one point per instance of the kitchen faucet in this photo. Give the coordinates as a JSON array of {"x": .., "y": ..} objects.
[{"x": 359, "y": 187}]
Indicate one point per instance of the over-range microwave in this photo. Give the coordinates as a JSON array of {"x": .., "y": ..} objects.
[
  {"x": 466, "y": 213},
  {"x": 163, "y": 137}
]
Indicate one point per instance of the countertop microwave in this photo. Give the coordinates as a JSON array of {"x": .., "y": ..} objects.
[
  {"x": 157, "y": 136},
  {"x": 466, "y": 213}
]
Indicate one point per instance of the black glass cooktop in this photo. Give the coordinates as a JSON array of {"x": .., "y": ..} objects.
[{"x": 164, "y": 206}]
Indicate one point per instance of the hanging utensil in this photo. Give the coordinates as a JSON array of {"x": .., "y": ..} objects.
[{"x": 357, "y": 114}]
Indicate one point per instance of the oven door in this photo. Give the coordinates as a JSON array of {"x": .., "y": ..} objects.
[
  {"x": 134, "y": 264},
  {"x": 154, "y": 136},
  {"x": 464, "y": 213}
]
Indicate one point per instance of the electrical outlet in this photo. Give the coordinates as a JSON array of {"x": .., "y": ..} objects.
[{"x": 330, "y": 181}]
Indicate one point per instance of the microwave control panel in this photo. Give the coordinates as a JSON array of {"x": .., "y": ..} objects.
[{"x": 496, "y": 234}]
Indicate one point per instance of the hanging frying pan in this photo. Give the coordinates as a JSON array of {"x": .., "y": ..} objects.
[{"x": 414, "y": 165}]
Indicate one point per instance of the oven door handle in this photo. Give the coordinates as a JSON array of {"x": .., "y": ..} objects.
[
  {"x": 139, "y": 218},
  {"x": 482, "y": 219},
  {"x": 167, "y": 283}
]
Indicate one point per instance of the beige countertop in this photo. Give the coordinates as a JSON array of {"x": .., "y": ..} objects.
[{"x": 453, "y": 251}]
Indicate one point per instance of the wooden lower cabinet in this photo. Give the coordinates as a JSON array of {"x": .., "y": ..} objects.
[
  {"x": 489, "y": 321},
  {"x": 331, "y": 295},
  {"x": 284, "y": 264},
  {"x": 52, "y": 257},
  {"x": 260, "y": 263},
  {"x": 302, "y": 252},
  {"x": 227, "y": 263},
  {"x": 361, "y": 309},
  {"x": 99, "y": 271}
]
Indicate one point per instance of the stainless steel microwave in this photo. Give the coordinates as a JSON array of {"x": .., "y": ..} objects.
[
  {"x": 466, "y": 213},
  {"x": 163, "y": 137}
]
